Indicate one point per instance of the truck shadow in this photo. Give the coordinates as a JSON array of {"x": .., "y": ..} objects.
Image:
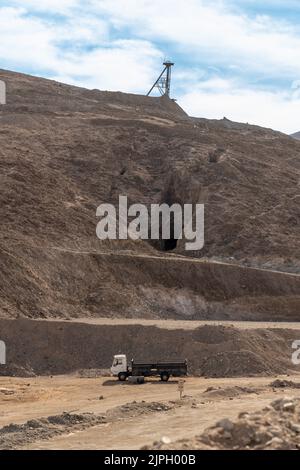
[
  {"x": 113, "y": 382},
  {"x": 109, "y": 383}
]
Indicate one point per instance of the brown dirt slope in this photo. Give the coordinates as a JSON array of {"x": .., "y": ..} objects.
[
  {"x": 296, "y": 135},
  {"x": 64, "y": 150}
]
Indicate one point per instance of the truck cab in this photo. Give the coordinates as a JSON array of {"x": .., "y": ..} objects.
[{"x": 119, "y": 367}]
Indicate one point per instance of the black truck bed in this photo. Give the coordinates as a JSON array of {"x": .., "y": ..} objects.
[{"x": 176, "y": 369}]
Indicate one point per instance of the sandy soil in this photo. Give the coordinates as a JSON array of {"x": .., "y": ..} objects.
[{"x": 27, "y": 399}]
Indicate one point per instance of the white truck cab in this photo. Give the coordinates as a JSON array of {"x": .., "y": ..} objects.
[{"x": 119, "y": 367}]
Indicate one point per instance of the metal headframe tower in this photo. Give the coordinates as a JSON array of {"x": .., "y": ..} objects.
[{"x": 163, "y": 83}]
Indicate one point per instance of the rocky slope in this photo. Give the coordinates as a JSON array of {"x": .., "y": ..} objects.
[
  {"x": 276, "y": 427},
  {"x": 65, "y": 150},
  {"x": 296, "y": 135}
]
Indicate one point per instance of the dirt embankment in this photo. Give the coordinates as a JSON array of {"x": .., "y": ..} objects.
[
  {"x": 46, "y": 348},
  {"x": 15, "y": 436},
  {"x": 62, "y": 283}
]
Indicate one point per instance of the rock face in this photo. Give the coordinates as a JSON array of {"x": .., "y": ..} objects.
[{"x": 65, "y": 150}]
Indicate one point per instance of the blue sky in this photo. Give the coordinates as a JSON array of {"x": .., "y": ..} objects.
[{"x": 234, "y": 58}]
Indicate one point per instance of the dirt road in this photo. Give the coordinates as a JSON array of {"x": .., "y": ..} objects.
[
  {"x": 183, "y": 324},
  {"x": 152, "y": 411},
  {"x": 167, "y": 257}
]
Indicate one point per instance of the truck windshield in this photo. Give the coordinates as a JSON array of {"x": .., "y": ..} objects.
[{"x": 117, "y": 362}]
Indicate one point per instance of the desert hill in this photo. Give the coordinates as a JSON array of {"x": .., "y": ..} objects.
[
  {"x": 65, "y": 150},
  {"x": 296, "y": 135}
]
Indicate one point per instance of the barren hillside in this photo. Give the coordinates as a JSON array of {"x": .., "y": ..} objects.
[
  {"x": 65, "y": 150},
  {"x": 296, "y": 135}
]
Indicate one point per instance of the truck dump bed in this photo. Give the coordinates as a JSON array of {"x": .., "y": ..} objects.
[{"x": 176, "y": 369}]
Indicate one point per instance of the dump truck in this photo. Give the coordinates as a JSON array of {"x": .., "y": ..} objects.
[{"x": 164, "y": 370}]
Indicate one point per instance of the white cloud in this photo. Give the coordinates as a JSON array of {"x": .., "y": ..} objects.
[
  {"x": 49, "y": 6},
  {"x": 276, "y": 110},
  {"x": 266, "y": 3},
  {"x": 124, "y": 65},
  {"x": 26, "y": 41},
  {"x": 118, "y": 45},
  {"x": 36, "y": 44},
  {"x": 206, "y": 29}
]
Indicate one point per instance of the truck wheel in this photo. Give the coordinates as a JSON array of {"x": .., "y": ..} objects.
[
  {"x": 164, "y": 376},
  {"x": 122, "y": 376}
]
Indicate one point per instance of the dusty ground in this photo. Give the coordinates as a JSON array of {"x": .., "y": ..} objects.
[
  {"x": 130, "y": 416},
  {"x": 274, "y": 427}
]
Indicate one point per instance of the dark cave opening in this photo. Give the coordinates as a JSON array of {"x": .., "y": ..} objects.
[
  {"x": 169, "y": 235},
  {"x": 169, "y": 245}
]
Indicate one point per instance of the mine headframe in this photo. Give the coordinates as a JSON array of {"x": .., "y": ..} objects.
[{"x": 163, "y": 83}]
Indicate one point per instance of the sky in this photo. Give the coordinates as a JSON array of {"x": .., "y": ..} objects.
[{"x": 238, "y": 59}]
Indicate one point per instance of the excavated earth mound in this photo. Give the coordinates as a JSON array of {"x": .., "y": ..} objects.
[
  {"x": 276, "y": 427},
  {"x": 49, "y": 347},
  {"x": 14, "y": 436}
]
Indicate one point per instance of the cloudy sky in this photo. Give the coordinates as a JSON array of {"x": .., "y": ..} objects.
[{"x": 234, "y": 58}]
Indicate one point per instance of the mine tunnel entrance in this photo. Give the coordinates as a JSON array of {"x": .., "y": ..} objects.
[
  {"x": 169, "y": 225},
  {"x": 169, "y": 245}
]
